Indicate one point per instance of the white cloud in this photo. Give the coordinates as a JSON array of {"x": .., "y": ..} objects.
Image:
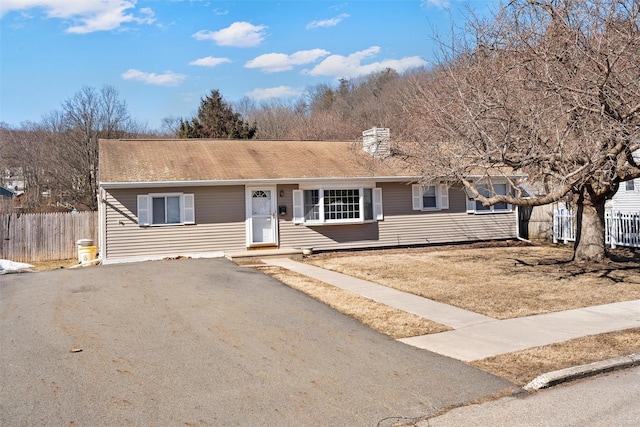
[
  {"x": 274, "y": 92},
  {"x": 275, "y": 62},
  {"x": 351, "y": 66},
  {"x": 169, "y": 78},
  {"x": 86, "y": 16},
  {"x": 440, "y": 4},
  {"x": 327, "y": 22},
  {"x": 209, "y": 61},
  {"x": 148, "y": 17},
  {"x": 238, "y": 34}
]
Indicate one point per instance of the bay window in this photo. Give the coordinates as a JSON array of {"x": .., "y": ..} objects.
[{"x": 317, "y": 206}]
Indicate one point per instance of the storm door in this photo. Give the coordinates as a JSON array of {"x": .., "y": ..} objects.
[{"x": 262, "y": 219}]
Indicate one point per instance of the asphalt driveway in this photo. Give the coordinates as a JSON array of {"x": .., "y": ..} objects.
[{"x": 205, "y": 342}]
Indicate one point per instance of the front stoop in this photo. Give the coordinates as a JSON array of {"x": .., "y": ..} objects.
[{"x": 262, "y": 253}]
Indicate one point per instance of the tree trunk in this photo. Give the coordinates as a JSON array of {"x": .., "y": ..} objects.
[{"x": 589, "y": 245}]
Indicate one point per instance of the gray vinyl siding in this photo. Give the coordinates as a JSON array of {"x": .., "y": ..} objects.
[
  {"x": 219, "y": 215},
  {"x": 220, "y": 224},
  {"x": 401, "y": 226}
]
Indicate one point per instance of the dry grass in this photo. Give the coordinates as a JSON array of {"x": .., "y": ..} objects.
[
  {"x": 500, "y": 282},
  {"x": 523, "y": 366},
  {"x": 382, "y": 318},
  {"x": 53, "y": 265}
]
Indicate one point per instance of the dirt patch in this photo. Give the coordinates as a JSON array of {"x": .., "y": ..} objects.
[{"x": 53, "y": 265}]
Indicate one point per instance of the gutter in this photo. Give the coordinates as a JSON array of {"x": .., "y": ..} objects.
[
  {"x": 208, "y": 183},
  {"x": 266, "y": 181},
  {"x": 256, "y": 181}
]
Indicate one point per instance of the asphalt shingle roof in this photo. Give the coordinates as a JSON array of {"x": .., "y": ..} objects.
[{"x": 129, "y": 161}]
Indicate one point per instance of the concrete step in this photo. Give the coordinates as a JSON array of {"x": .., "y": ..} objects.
[{"x": 259, "y": 253}]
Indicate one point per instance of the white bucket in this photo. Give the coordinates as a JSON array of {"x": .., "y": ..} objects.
[{"x": 87, "y": 253}]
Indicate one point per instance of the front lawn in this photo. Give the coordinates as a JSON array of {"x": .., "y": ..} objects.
[{"x": 500, "y": 282}]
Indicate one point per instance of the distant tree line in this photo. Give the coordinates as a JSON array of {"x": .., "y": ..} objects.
[
  {"x": 339, "y": 112},
  {"x": 324, "y": 112}
]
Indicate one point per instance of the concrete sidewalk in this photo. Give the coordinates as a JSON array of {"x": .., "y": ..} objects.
[
  {"x": 505, "y": 336},
  {"x": 476, "y": 336}
]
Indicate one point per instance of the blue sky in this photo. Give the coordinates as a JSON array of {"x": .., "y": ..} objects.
[{"x": 164, "y": 55}]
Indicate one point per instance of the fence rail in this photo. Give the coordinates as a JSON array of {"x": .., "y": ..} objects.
[
  {"x": 621, "y": 228},
  {"x": 46, "y": 236}
]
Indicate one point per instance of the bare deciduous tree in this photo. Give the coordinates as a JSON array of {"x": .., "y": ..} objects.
[
  {"x": 275, "y": 120},
  {"x": 59, "y": 154},
  {"x": 546, "y": 87},
  {"x": 73, "y": 136}
]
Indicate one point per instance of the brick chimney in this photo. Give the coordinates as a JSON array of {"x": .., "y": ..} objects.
[{"x": 377, "y": 142}]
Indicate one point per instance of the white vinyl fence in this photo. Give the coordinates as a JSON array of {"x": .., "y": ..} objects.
[
  {"x": 621, "y": 228},
  {"x": 564, "y": 228}
]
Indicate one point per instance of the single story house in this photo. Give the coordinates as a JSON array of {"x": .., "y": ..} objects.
[{"x": 205, "y": 198}]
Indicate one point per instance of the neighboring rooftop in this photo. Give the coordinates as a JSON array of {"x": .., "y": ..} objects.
[{"x": 5, "y": 192}]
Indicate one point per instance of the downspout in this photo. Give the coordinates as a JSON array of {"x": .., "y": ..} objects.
[
  {"x": 102, "y": 223},
  {"x": 522, "y": 239}
]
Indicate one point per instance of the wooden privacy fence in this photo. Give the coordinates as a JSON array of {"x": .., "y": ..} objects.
[{"x": 45, "y": 236}]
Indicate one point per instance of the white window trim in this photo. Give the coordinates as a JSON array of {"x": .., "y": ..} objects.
[
  {"x": 298, "y": 204},
  {"x": 471, "y": 203},
  {"x": 145, "y": 209},
  {"x": 442, "y": 197}
]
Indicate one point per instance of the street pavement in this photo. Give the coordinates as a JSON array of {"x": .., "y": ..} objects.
[
  {"x": 607, "y": 400},
  {"x": 203, "y": 343}
]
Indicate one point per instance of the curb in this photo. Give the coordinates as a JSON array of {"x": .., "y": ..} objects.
[{"x": 569, "y": 374}]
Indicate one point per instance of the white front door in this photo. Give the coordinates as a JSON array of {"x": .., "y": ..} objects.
[{"x": 261, "y": 216}]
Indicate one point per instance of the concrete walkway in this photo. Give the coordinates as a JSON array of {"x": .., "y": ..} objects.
[{"x": 476, "y": 336}]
